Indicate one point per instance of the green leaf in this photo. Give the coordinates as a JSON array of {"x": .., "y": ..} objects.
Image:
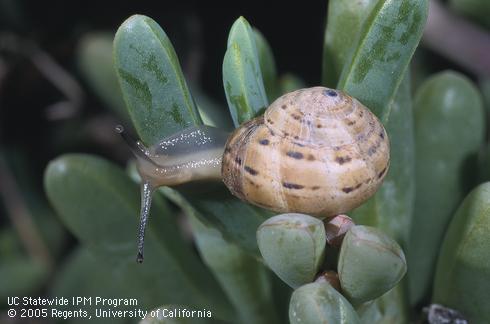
[
  {"x": 242, "y": 77},
  {"x": 245, "y": 280},
  {"x": 391, "y": 208},
  {"x": 267, "y": 65},
  {"x": 388, "y": 309},
  {"x": 158, "y": 100},
  {"x": 449, "y": 131},
  {"x": 463, "y": 266},
  {"x": 386, "y": 43},
  {"x": 370, "y": 264},
  {"x": 236, "y": 220},
  {"x": 99, "y": 203},
  {"x": 344, "y": 19},
  {"x": 96, "y": 63},
  {"x": 319, "y": 302},
  {"x": 83, "y": 275},
  {"x": 478, "y": 10},
  {"x": 293, "y": 246}
]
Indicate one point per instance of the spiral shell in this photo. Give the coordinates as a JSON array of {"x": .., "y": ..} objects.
[{"x": 316, "y": 151}]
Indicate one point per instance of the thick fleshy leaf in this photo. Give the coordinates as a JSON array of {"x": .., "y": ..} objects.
[
  {"x": 388, "y": 309},
  {"x": 267, "y": 65},
  {"x": 158, "y": 100},
  {"x": 370, "y": 264},
  {"x": 463, "y": 266},
  {"x": 245, "y": 280},
  {"x": 242, "y": 77},
  {"x": 96, "y": 62},
  {"x": 237, "y": 220},
  {"x": 319, "y": 302},
  {"x": 390, "y": 209},
  {"x": 344, "y": 21},
  {"x": 99, "y": 203},
  {"x": 84, "y": 275},
  {"x": 449, "y": 131},
  {"x": 382, "y": 53},
  {"x": 293, "y": 246}
]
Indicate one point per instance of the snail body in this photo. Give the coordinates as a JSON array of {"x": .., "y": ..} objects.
[{"x": 315, "y": 151}]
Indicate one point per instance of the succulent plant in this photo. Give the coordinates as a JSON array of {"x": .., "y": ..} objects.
[
  {"x": 370, "y": 264},
  {"x": 236, "y": 258},
  {"x": 319, "y": 302},
  {"x": 293, "y": 246}
]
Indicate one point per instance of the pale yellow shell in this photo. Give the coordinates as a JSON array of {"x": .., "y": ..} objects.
[{"x": 316, "y": 151}]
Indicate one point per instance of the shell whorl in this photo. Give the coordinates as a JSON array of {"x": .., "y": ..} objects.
[{"x": 316, "y": 151}]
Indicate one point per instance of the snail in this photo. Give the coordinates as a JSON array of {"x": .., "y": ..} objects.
[{"x": 315, "y": 151}]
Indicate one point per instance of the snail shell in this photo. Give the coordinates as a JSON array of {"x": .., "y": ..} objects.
[{"x": 316, "y": 151}]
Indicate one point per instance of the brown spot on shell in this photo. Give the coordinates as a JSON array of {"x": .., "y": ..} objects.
[
  {"x": 290, "y": 185},
  {"x": 310, "y": 157},
  {"x": 238, "y": 160},
  {"x": 296, "y": 117},
  {"x": 347, "y": 189},
  {"x": 295, "y": 155},
  {"x": 284, "y": 107},
  {"x": 319, "y": 126},
  {"x": 351, "y": 122},
  {"x": 315, "y": 187},
  {"x": 250, "y": 170},
  {"x": 343, "y": 159},
  {"x": 381, "y": 173},
  {"x": 270, "y": 121},
  {"x": 350, "y": 189}
]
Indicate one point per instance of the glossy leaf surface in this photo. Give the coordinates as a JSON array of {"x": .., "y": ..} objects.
[
  {"x": 242, "y": 77},
  {"x": 449, "y": 131},
  {"x": 463, "y": 267},
  {"x": 156, "y": 94}
]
